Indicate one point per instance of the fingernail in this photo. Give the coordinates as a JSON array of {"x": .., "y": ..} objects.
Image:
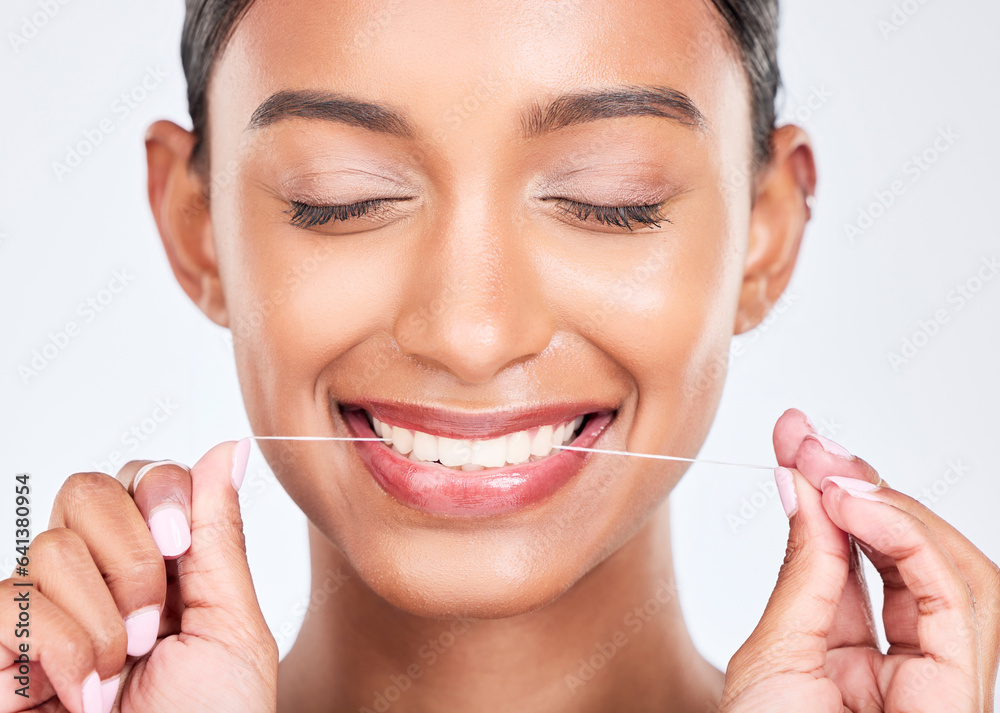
[
  {"x": 109, "y": 692},
  {"x": 241, "y": 454},
  {"x": 785, "y": 480},
  {"x": 809, "y": 424},
  {"x": 141, "y": 628},
  {"x": 91, "y": 694},
  {"x": 170, "y": 530},
  {"x": 832, "y": 447},
  {"x": 852, "y": 486}
]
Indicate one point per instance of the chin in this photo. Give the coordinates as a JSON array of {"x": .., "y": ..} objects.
[{"x": 486, "y": 578}]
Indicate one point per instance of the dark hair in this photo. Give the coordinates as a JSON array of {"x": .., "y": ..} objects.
[{"x": 752, "y": 25}]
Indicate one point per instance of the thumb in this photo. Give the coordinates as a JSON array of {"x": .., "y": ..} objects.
[
  {"x": 213, "y": 575},
  {"x": 792, "y": 633}
]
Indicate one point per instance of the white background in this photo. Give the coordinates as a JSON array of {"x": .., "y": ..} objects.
[{"x": 871, "y": 99}]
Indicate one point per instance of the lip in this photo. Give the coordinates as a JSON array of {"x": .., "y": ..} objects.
[
  {"x": 439, "y": 490},
  {"x": 477, "y": 426}
]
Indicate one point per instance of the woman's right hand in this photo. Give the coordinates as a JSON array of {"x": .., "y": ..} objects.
[{"x": 134, "y": 609}]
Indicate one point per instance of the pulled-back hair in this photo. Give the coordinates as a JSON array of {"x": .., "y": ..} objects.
[{"x": 751, "y": 24}]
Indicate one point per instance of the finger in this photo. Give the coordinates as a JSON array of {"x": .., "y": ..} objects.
[
  {"x": 162, "y": 492},
  {"x": 62, "y": 569},
  {"x": 945, "y": 621},
  {"x": 792, "y": 426},
  {"x": 213, "y": 575},
  {"x": 979, "y": 571},
  {"x": 792, "y": 633},
  {"x": 853, "y": 623},
  {"x": 14, "y": 698},
  {"x": 57, "y": 642},
  {"x": 818, "y": 457},
  {"x": 99, "y": 510}
]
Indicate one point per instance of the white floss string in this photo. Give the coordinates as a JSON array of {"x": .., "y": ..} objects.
[{"x": 653, "y": 456}]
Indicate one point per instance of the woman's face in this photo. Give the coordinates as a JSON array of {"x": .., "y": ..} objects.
[{"x": 475, "y": 302}]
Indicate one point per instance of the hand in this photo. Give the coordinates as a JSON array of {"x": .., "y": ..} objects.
[
  {"x": 816, "y": 649},
  {"x": 133, "y": 609}
]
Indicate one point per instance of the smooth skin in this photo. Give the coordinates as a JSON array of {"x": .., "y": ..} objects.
[{"x": 479, "y": 293}]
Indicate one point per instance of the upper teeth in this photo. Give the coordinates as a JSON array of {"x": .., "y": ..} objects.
[{"x": 470, "y": 454}]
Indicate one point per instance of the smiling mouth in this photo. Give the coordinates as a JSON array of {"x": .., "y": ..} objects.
[
  {"x": 515, "y": 448},
  {"x": 424, "y": 453}
]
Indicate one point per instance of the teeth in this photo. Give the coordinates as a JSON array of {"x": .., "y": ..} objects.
[
  {"x": 541, "y": 444},
  {"x": 470, "y": 455},
  {"x": 402, "y": 438},
  {"x": 425, "y": 446},
  {"x": 518, "y": 447},
  {"x": 491, "y": 453},
  {"x": 453, "y": 452}
]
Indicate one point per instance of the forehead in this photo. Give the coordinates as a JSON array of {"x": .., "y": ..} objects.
[{"x": 434, "y": 57}]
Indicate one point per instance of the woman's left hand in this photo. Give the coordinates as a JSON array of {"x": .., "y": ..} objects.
[{"x": 816, "y": 648}]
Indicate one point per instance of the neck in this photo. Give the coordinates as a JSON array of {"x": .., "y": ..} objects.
[{"x": 616, "y": 640}]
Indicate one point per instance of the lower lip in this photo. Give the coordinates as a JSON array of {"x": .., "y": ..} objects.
[{"x": 439, "y": 490}]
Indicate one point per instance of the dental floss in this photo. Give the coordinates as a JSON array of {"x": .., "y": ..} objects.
[{"x": 568, "y": 448}]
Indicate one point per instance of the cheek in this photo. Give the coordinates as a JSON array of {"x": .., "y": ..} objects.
[
  {"x": 663, "y": 305},
  {"x": 298, "y": 302}
]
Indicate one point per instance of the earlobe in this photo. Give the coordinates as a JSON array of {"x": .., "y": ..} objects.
[
  {"x": 179, "y": 200},
  {"x": 777, "y": 222}
]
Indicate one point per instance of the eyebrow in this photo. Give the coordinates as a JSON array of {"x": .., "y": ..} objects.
[
  {"x": 565, "y": 110},
  {"x": 582, "y": 107}
]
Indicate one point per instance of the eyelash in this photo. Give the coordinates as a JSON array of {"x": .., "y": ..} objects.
[
  {"x": 305, "y": 215},
  {"x": 619, "y": 216}
]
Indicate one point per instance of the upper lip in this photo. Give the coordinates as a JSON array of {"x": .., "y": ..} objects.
[{"x": 473, "y": 425}]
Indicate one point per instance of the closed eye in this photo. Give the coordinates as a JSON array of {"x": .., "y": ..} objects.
[
  {"x": 306, "y": 215},
  {"x": 621, "y": 216}
]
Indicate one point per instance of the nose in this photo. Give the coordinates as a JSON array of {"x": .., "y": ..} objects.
[{"x": 474, "y": 306}]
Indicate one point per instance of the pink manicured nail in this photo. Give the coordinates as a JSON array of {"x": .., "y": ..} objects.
[
  {"x": 832, "y": 447},
  {"x": 170, "y": 530},
  {"x": 141, "y": 628},
  {"x": 241, "y": 454},
  {"x": 109, "y": 691},
  {"x": 785, "y": 481},
  {"x": 852, "y": 486},
  {"x": 91, "y": 694}
]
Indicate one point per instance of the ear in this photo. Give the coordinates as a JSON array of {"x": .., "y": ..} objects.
[
  {"x": 178, "y": 196},
  {"x": 777, "y": 222}
]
